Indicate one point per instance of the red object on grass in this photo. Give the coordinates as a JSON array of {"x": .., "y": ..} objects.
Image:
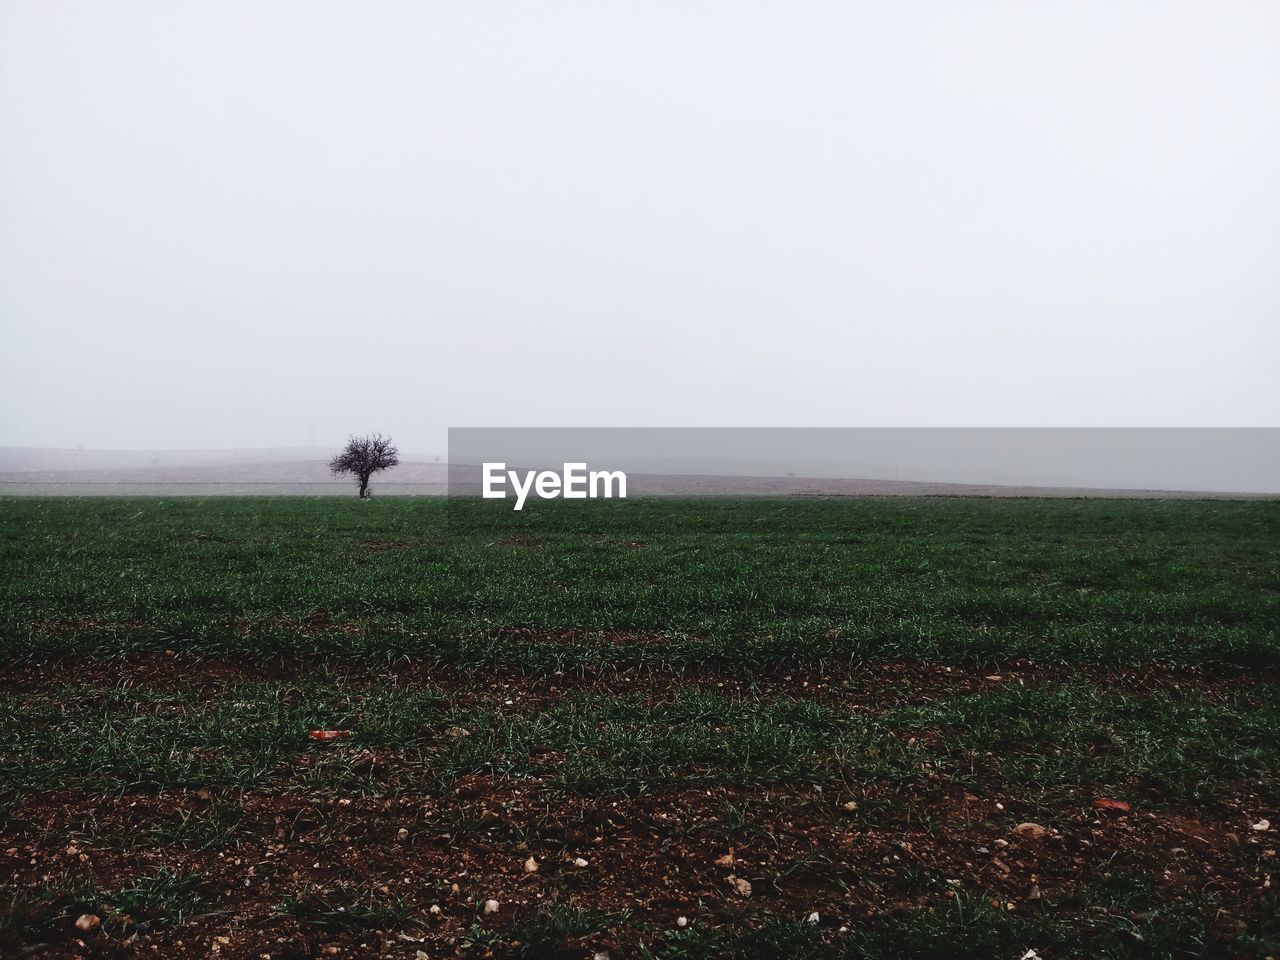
[
  {"x": 1106, "y": 803},
  {"x": 330, "y": 734}
]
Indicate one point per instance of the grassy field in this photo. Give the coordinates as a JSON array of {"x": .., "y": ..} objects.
[{"x": 945, "y": 727}]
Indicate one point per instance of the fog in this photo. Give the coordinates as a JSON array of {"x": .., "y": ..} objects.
[{"x": 272, "y": 224}]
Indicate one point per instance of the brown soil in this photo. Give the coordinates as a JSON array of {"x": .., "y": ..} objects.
[
  {"x": 659, "y": 856},
  {"x": 869, "y": 687}
]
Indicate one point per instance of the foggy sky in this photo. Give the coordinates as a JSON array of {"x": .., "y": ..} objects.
[{"x": 242, "y": 224}]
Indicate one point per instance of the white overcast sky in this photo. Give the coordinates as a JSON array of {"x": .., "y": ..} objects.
[{"x": 242, "y": 224}]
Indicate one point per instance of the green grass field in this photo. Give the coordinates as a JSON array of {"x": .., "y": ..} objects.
[{"x": 739, "y": 713}]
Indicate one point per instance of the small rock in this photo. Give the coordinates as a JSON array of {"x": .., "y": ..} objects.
[
  {"x": 739, "y": 886},
  {"x": 531, "y": 865},
  {"x": 325, "y": 736},
  {"x": 1262, "y": 826},
  {"x": 457, "y": 732},
  {"x": 1106, "y": 803},
  {"x": 850, "y": 806},
  {"x": 1031, "y": 831},
  {"x": 812, "y": 918},
  {"x": 580, "y": 862},
  {"x": 682, "y": 922},
  {"x": 491, "y": 906},
  {"x": 402, "y": 834},
  {"x": 88, "y": 922},
  {"x": 435, "y": 909}
]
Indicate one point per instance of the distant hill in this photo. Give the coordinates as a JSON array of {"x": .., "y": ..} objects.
[
  {"x": 268, "y": 470},
  {"x": 301, "y": 470},
  {"x": 24, "y": 459}
]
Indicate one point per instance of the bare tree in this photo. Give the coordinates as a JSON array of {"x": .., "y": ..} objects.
[{"x": 362, "y": 457}]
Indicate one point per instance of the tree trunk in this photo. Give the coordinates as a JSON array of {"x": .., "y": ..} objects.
[{"x": 364, "y": 488}]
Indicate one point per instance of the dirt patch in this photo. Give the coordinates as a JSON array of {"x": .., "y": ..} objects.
[
  {"x": 657, "y": 856},
  {"x": 862, "y": 688},
  {"x": 302, "y": 865}
]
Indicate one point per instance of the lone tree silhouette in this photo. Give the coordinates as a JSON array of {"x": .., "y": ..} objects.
[{"x": 362, "y": 457}]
